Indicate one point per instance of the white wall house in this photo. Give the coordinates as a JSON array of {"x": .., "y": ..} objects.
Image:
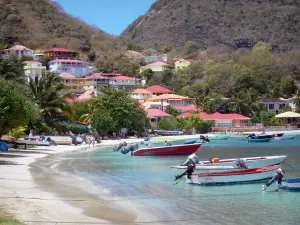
[
  {"x": 34, "y": 68},
  {"x": 74, "y": 67},
  {"x": 20, "y": 50},
  {"x": 273, "y": 104}
]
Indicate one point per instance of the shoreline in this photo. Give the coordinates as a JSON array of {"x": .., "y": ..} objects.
[{"x": 24, "y": 197}]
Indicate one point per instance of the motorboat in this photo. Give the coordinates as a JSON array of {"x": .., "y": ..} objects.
[
  {"x": 250, "y": 162},
  {"x": 168, "y": 132},
  {"x": 235, "y": 176},
  {"x": 255, "y": 140},
  {"x": 291, "y": 184},
  {"x": 285, "y": 138}
]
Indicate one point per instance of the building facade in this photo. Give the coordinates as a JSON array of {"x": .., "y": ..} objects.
[
  {"x": 19, "y": 50},
  {"x": 182, "y": 63},
  {"x": 156, "y": 67},
  {"x": 34, "y": 68},
  {"x": 61, "y": 53},
  {"x": 74, "y": 67},
  {"x": 273, "y": 104}
]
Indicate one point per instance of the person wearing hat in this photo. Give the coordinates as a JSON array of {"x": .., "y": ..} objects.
[{"x": 278, "y": 177}]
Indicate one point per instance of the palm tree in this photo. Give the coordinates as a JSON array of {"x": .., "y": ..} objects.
[{"x": 47, "y": 94}]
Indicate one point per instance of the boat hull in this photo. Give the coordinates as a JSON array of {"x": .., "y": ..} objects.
[
  {"x": 254, "y": 140},
  {"x": 253, "y": 162},
  {"x": 233, "y": 177},
  {"x": 167, "y": 150},
  {"x": 291, "y": 184}
]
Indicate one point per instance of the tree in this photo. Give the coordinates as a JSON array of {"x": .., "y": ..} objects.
[
  {"x": 119, "y": 111},
  {"x": 15, "y": 109},
  {"x": 165, "y": 124},
  {"x": 79, "y": 109},
  {"x": 171, "y": 111},
  {"x": 12, "y": 68},
  {"x": 148, "y": 74},
  {"x": 297, "y": 101},
  {"x": 287, "y": 86},
  {"x": 190, "y": 47},
  {"x": 92, "y": 56},
  {"x": 47, "y": 94}
]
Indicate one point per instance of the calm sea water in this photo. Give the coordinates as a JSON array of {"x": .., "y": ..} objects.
[{"x": 148, "y": 182}]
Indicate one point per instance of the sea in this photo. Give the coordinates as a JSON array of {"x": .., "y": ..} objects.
[{"x": 148, "y": 182}]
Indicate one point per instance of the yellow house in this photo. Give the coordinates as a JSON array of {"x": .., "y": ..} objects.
[
  {"x": 182, "y": 63},
  {"x": 34, "y": 68},
  {"x": 156, "y": 67}
]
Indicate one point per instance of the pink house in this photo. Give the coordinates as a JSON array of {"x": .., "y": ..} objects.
[{"x": 154, "y": 115}]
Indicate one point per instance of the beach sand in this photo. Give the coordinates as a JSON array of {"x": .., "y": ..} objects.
[{"x": 34, "y": 194}]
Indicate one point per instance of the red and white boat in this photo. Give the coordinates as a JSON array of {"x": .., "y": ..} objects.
[
  {"x": 235, "y": 176},
  {"x": 185, "y": 149},
  {"x": 223, "y": 164}
]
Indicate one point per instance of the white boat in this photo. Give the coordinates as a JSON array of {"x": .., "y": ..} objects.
[
  {"x": 250, "y": 162},
  {"x": 236, "y": 176},
  {"x": 291, "y": 184}
]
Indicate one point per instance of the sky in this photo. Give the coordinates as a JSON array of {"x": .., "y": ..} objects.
[{"x": 111, "y": 16}]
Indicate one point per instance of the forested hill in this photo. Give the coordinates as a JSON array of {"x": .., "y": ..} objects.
[
  {"x": 44, "y": 24},
  {"x": 234, "y": 23}
]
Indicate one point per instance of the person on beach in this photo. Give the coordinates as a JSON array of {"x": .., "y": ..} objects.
[{"x": 278, "y": 177}]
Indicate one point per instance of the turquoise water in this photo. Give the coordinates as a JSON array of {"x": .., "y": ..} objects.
[{"x": 148, "y": 182}]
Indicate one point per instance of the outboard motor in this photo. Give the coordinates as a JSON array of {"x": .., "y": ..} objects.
[
  {"x": 189, "y": 170},
  {"x": 204, "y": 139},
  {"x": 241, "y": 164},
  {"x": 131, "y": 148},
  {"x": 121, "y": 145},
  {"x": 193, "y": 158},
  {"x": 278, "y": 177}
]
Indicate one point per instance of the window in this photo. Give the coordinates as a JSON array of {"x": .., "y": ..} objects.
[{"x": 271, "y": 106}]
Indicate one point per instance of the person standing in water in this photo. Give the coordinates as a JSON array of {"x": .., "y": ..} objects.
[{"x": 278, "y": 177}]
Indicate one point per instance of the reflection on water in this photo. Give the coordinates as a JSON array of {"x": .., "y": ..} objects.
[{"x": 148, "y": 181}]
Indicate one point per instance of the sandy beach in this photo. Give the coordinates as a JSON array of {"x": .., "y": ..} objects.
[{"x": 35, "y": 194}]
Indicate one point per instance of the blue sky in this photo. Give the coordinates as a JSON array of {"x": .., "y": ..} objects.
[{"x": 112, "y": 16}]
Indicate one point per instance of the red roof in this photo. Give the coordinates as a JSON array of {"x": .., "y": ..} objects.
[
  {"x": 157, "y": 89},
  {"x": 59, "y": 50},
  {"x": 17, "y": 47},
  {"x": 85, "y": 96},
  {"x": 96, "y": 76},
  {"x": 123, "y": 78},
  {"x": 216, "y": 116},
  {"x": 231, "y": 116},
  {"x": 67, "y": 76},
  {"x": 192, "y": 108},
  {"x": 156, "y": 113},
  {"x": 141, "y": 91}
]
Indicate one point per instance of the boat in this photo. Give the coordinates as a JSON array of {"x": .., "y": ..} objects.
[
  {"x": 251, "y": 162},
  {"x": 291, "y": 184},
  {"x": 254, "y": 140},
  {"x": 168, "y": 132},
  {"x": 184, "y": 149},
  {"x": 235, "y": 176},
  {"x": 285, "y": 138}
]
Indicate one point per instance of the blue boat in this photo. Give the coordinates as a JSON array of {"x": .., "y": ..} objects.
[{"x": 291, "y": 184}]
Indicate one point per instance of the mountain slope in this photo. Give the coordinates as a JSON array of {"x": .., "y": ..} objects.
[
  {"x": 234, "y": 23},
  {"x": 43, "y": 24}
]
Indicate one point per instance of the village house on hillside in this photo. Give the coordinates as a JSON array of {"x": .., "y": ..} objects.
[
  {"x": 33, "y": 69},
  {"x": 273, "y": 104},
  {"x": 19, "y": 50},
  {"x": 158, "y": 90},
  {"x": 156, "y": 67},
  {"x": 180, "y": 64},
  {"x": 76, "y": 67},
  {"x": 60, "y": 53},
  {"x": 151, "y": 55}
]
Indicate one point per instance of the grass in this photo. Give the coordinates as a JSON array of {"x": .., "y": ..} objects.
[{"x": 6, "y": 219}]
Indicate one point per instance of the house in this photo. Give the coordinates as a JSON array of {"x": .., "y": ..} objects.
[
  {"x": 38, "y": 55},
  {"x": 141, "y": 94},
  {"x": 273, "y": 104},
  {"x": 158, "y": 90},
  {"x": 155, "y": 105},
  {"x": 117, "y": 81},
  {"x": 74, "y": 85},
  {"x": 19, "y": 50},
  {"x": 74, "y": 67},
  {"x": 156, "y": 67},
  {"x": 34, "y": 68},
  {"x": 181, "y": 103},
  {"x": 154, "y": 115},
  {"x": 61, "y": 53},
  {"x": 224, "y": 122},
  {"x": 86, "y": 96},
  {"x": 180, "y": 64},
  {"x": 150, "y": 51}
]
